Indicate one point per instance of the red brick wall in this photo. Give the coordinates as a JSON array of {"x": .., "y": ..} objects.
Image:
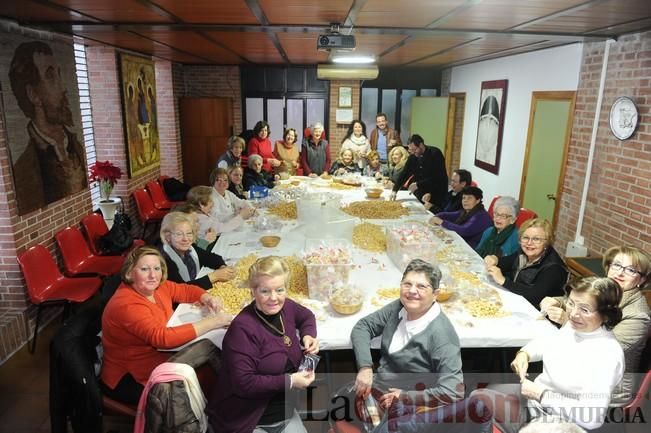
[
  {"x": 211, "y": 81},
  {"x": 336, "y": 132},
  {"x": 108, "y": 123},
  {"x": 618, "y": 210}
]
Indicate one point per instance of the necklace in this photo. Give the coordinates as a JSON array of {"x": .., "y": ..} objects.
[{"x": 281, "y": 331}]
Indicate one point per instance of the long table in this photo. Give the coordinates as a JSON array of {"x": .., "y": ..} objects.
[{"x": 372, "y": 271}]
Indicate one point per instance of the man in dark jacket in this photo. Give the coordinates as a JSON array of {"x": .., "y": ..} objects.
[{"x": 427, "y": 166}]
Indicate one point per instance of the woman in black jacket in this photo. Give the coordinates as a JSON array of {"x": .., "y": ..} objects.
[
  {"x": 184, "y": 262},
  {"x": 255, "y": 175},
  {"x": 536, "y": 270}
]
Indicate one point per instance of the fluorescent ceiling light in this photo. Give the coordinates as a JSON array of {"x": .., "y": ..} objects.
[{"x": 352, "y": 59}]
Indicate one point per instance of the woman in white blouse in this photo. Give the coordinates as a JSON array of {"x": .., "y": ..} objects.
[
  {"x": 582, "y": 365},
  {"x": 227, "y": 208},
  {"x": 356, "y": 141}
]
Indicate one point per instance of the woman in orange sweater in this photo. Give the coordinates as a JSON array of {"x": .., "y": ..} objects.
[{"x": 134, "y": 323}]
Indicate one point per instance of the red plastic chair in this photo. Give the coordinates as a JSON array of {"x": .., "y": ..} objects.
[
  {"x": 158, "y": 196},
  {"x": 147, "y": 213},
  {"x": 95, "y": 227},
  {"x": 46, "y": 285},
  {"x": 78, "y": 259}
]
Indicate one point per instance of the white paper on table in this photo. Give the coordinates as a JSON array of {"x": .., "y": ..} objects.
[
  {"x": 205, "y": 270},
  {"x": 187, "y": 313}
]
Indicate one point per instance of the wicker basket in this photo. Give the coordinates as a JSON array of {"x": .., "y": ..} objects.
[
  {"x": 270, "y": 241},
  {"x": 444, "y": 295},
  {"x": 373, "y": 192},
  {"x": 346, "y": 309}
]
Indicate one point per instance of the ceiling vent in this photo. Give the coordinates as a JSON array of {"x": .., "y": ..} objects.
[{"x": 347, "y": 72}]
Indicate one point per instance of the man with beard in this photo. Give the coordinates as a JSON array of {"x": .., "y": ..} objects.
[{"x": 53, "y": 165}]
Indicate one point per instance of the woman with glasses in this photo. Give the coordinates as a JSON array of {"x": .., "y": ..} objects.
[
  {"x": 183, "y": 260},
  {"x": 134, "y": 324},
  {"x": 630, "y": 267},
  {"x": 227, "y": 208},
  {"x": 419, "y": 345},
  {"x": 535, "y": 270},
  {"x": 501, "y": 239},
  {"x": 471, "y": 221},
  {"x": 582, "y": 365},
  {"x": 261, "y": 352}
]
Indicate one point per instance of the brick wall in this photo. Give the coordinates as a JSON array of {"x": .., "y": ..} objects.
[
  {"x": 211, "y": 81},
  {"x": 109, "y": 130},
  {"x": 619, "y": 204},
  {"x": 336, "y": 132}
]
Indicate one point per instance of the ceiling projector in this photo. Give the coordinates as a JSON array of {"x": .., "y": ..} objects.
[{"x": 335, "y": 42}]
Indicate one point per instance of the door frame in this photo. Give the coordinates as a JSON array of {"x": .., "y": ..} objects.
[
  {"x": 452, "y": 115},
  {"x": 569, "y": 95}
]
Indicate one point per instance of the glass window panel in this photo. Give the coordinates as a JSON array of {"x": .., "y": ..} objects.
[
  {"x": 369, "y": 108},
  {"x": 254, "y": 111},
  {"x": 389, "y": 105},
  {"x": 427, "y": 92},
  {"x": 315, "y": 113},
  {"x": 295, "y": 118},
  {"x": 405, "y": 114},
  {"x": 275, "y": 109}
]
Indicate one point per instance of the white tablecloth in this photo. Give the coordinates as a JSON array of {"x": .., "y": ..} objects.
[{"x": 373, "y": 271}]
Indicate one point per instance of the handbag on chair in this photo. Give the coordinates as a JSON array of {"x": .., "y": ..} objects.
[{"x": 119, "y": 239}]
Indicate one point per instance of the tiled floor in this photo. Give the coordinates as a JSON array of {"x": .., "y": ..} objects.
[{"x": 24, "y": 391}]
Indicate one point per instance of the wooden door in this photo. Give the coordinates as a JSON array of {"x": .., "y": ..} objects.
[
  {"x": 432, "y": 117},
  {"x": 550, "y": 126},
  {"x": 206, "y": 125}
]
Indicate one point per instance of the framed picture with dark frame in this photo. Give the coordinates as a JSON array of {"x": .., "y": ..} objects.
[
  {"x": 492, "y": 107},
  {"x": 138, "y": 84}
]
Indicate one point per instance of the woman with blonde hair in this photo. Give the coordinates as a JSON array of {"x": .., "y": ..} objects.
[
  {"x": 396, "y": 162},
  {"x": 345, "y": 163},
  {"x": 227, "y": 207},
  {"x": 536, "y": 270},
  {"x": 261, "y": 353},
  {"x": 184, "y": 262}
]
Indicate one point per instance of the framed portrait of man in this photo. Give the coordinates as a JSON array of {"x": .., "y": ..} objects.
[
  {"x": 140, "y": 115},
  {"x": 492, "y": 107},
  {"x": 40, "y": 95}
]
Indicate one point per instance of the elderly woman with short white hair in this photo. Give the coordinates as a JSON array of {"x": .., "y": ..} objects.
[
  {"x": 255, "y": 175},
  {"x": 178, "y": 233},
  {"x": 501, "y": 239},
  {"x": 315, "y": 153}
]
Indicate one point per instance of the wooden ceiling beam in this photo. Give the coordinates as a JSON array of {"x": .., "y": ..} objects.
[
  {"x": 67, "y": 10},
  {"x": 585, "y": 5},
  {"x": 443, "y": 19},
  {"x": 257, "y": 11},
  {"x": 351, "y": 18},
  {"x": 454, "y": 47},
  {"x": 160, "y": 10}
]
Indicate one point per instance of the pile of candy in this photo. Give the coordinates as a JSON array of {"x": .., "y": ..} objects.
[
  {"x": 327, "y": 267},
  {"x": 411, "y": 241}
]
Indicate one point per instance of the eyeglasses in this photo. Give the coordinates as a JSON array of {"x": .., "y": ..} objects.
[
  {"x": 406, "y": 285},
  {"x": 581, "y": 309},
  {"x": 535, "y": 240},
  {"x": 629, "y": 271},
  {"x": 265, "y": 293},
  {"x": 502, "y": 216},
  {"x": 181, "y": 235}
]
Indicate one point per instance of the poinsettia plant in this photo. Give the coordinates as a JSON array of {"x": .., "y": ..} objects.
[
  {"x": 105, "y": 171},
  {"x": 107, "y": 175}
]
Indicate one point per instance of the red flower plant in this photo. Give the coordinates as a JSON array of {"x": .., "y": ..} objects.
[{"x": 105, "y": 172}]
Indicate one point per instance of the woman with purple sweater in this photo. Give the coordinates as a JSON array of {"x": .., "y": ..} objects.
[
  {"x": 469, "y": 222},
  {"x": 261, "y": 353}
]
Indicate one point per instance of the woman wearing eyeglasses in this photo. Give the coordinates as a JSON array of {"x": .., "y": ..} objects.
[
  {"x": 536, "y": 270},
  {"x": 501, "y": 239},
  {"x": 261, "y": 354},
  {"x": 178, "y": 233},
  {"x": 631, "y": 268},
  {"x": 582, "y": 365}
]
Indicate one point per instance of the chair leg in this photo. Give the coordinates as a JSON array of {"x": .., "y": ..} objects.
[{"x": 32, "y": 347}]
